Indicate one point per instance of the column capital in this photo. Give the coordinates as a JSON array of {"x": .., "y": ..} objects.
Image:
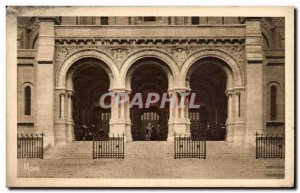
[
  {"x": 70, "y": 93},
  {"x": 119, "y": 91},
  {"x": 62, "y": 92},
  {"x": 229, "y": 92},
  {"x": 182, "y": 90},
  {"x": 237, "y": 91}
]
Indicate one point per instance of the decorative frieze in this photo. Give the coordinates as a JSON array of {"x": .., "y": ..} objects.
[{"x": 179, "y": 52}]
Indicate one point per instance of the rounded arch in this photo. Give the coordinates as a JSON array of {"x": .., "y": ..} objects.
[
  {"x": 85, "y": 63},
  {"x": 24, "y": 84},
  {"x": 106, "y": 62},
  {"x": 169, "y": 66},
  {"x": 267, "y": 36},
  {"x": 231, "y": 67},
  {"x": 274, "y": 83},
  {"x": 33, "y": 40}
]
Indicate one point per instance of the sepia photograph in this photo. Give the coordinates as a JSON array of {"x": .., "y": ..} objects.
[{"x": 150, "y": 96}]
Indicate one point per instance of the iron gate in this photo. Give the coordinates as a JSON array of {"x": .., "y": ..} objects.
[
  {"x": 189, "y": 147},
  {"x": 108, "y": 147},
  {"x": 270, "y": 146},
  {"x": 30, "y": 146}
]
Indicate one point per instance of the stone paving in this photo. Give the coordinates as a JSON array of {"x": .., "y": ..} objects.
[{"x": 151, "y": 160}]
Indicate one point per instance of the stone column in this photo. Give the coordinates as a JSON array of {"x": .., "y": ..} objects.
[
  {"x": 180, "y": 119},
  {"x": 69, "y": 120},
  {"x": 62, "y": 104},
  {"x": 254, "y": 78},
  {"x": 229, "y": 121},
  {"x": 120, "y": 117},
  {"x": 60, "y": 123},
  {"x": 45, "y": 80},
  {"x": 237, "y": 117},
  {"x": 186, "y": 116},
  {"x": 171, "y": 117}
]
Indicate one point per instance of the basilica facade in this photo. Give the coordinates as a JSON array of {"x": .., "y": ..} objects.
[{"x": 234, "y": 65}]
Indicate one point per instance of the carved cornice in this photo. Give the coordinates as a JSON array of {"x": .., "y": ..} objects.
[
  {"x": 145, "y": 41},
  {"x": 177, "y": 50}
]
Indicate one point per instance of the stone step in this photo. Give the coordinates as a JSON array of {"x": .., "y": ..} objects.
[
  {"x": 147, "y": 149},
  {"x": 146, "y": 168}
]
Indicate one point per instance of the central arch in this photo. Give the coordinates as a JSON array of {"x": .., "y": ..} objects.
[
  {"x": 149, "y": 75},
  {"x": 169, "y": 65}
]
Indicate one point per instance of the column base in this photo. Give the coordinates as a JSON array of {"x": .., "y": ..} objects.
[
  {"x": 120, "y": 128},
  {"x": 60, "y": 132},
  {"x": 181, "y": 128},
  {"x": 236, "y": 132},
  {"x": 70, "y": 131},
  {"x": 170, "y": 131}
]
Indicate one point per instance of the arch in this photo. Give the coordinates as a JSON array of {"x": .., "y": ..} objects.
[
  {"x": 271, "y": 83},
  {"x": 84, "y": 64},
  {"x": 24, "y": 84},
  {"x": 274, "y": 100},
  {"x": 268, "y": 37},
  {"x": 33, "y": 41},
  {"x": 149, "y": 53},
  {"x": 230, "y": 66},
  {"x": 108, "y": 65}
]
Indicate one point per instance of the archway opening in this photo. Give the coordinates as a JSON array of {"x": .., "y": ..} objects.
[
  {"x": 90, "y": 82},
  {"x": 209, "y": 82},
  {"x": 150, "y": 123}
]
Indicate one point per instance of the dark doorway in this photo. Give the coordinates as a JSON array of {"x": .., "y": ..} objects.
[
  {"x": 91, "y": 120},
  {"x": 149, "y": 79},
  {"x": 208, "y": 81}
]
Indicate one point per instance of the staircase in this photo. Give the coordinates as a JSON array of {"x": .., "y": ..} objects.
[{"x": 155, "y": 159}]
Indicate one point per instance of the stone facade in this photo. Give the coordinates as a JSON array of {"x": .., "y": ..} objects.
[{"x": 249, "y": 52}]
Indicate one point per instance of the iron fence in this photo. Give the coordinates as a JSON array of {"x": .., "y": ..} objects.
[
  {"x": 30, "y": 146},
  {"x": 270, "y": 146},
  {"x": 108, "y": 147},
  {"x": 189, "y": 147}
]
